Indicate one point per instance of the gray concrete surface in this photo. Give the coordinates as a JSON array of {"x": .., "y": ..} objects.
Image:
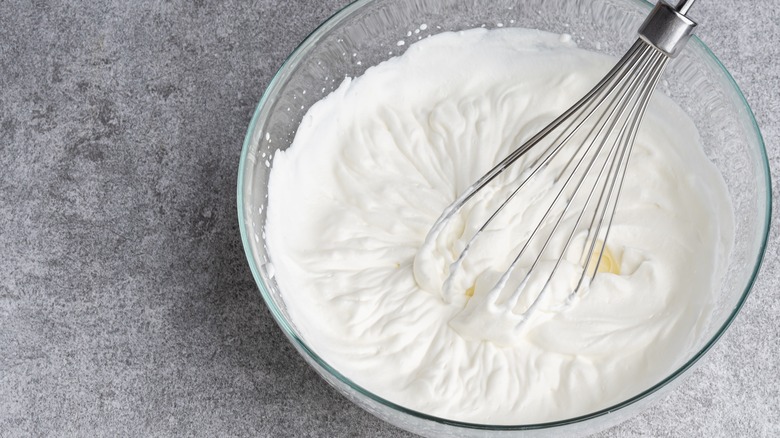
[{"x": 126, "y": 305}]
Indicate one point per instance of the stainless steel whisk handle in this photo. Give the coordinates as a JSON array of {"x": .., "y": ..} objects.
[{"x": 667, "y": 28}]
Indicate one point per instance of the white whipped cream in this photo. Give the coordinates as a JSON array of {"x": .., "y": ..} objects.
[{"x": 374, "y": 164}]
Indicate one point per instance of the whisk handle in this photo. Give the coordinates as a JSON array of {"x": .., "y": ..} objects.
[
  {"x": 667, "y": 28},
  {"x": 683, "y": 6}
]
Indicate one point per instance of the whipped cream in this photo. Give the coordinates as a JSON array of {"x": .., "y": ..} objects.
[{"x": 375, "y": 163}]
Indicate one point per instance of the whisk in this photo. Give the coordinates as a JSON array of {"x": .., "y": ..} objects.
[{"x": 594, "y": 138}]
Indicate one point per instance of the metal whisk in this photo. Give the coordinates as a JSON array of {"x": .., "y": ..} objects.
[{"x": 594, "y": 138}]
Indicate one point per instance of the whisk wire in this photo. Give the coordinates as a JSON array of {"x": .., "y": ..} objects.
[
  {"x": 606, "y": 123},
  {"x": 598, "y": 132},
  {"x": 488, "y": 177},
  {"x": 623, "y": 166},
  {"x": 584, "y": 106}
]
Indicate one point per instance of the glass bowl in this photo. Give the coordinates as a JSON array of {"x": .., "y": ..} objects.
[{"x": 369, "y": 31}]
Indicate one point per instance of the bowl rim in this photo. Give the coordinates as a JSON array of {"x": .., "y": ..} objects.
[{"x": 302, "y": 346}]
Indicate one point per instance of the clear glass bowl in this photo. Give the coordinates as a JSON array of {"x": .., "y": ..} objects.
[{"x": 369, "y": 31}]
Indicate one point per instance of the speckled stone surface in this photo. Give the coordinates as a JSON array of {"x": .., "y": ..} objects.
[{"x": 126, "y": 304}]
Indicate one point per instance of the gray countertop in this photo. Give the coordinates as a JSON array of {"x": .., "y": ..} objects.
[{"x": 126, "y": 304}]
